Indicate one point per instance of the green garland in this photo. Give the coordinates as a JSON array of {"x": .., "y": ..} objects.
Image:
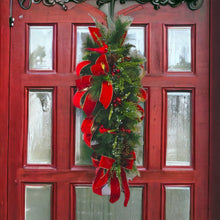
[{"x": 116, "y": 134}]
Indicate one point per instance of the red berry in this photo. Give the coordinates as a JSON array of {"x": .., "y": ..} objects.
[
  {"x": 118, "y": 99},
  {"x": 113, "y": 66},
  {"x": 117, "y": 70},
  {"x": 114, "y": 101},
  {"x": 115, "y": 105},
  {"x": 113, "y": 73}
]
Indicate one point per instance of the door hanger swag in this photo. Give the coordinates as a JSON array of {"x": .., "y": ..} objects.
[{"x": 109, "y": 92}]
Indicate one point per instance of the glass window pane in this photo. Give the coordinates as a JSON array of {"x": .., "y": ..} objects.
[
  {"x": 39, "y": 127},
  {"x": 92, "y": 206},
  {"x": 140, "y": 149},
  {"x": 82, "y": 152},
  {"x": 41, "y": 47},
  {"x": 38, "y": 202},
  {"x": 82, "y": 33},
  {"x": 177, "y": 203},
  {"x": 179, "y": 49},
  {"x": 179, "y": 121},
  {"x": 135, "y": 36}
]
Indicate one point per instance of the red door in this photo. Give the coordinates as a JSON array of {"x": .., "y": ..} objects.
[{"x": 50, "y": 174}]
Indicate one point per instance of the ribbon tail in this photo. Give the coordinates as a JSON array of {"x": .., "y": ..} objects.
[
  {"x": 95, "y": 188},
  {"x": 100, "y": 180},
  {"x": 125, "y": 187},
  {"x": 103, "y": 179},
  {"x": 115, "y": 189}
]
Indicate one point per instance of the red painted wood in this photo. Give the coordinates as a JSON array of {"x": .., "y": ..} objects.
[{"x": 4, "y": 99}]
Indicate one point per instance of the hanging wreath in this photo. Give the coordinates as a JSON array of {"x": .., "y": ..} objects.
[{"x": 109, "y": 92}]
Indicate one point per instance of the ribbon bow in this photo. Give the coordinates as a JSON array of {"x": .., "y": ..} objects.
[{"x": 104, "y": 173}]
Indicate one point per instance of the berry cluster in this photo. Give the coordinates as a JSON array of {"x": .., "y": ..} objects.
[
  {"x": 116, "y": 101},
  {"x": 115, "y": 71}
]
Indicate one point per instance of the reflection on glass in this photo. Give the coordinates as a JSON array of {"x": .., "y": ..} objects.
[
  {"x": 179, "y": 121},
  {"x": 179, "y": 49},
  {"x": 177, "y": 203},
  {"x": 39, "y": 127},
  {"x": 92, "y": 206},
  {"x": 82, "y": 33},
  {"x": 41, "y": 48},
  {"x": 82, "y": 152},
  {"x": 38, "y": 202},
  {"x": 135, "y": 36}
]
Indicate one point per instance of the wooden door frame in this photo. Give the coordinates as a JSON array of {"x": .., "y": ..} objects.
[
  {"x": 214, "y": 178},
  {"x": 4, "y": 100}
]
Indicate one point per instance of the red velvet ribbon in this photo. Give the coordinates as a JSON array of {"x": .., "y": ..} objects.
[
  {"x": 96, "y": 35},
  {"x": 106, "y": 94},
  {"x": 77, "y": 98},
  {"x": 87, "y": 129},
  {"x": 81, "y": 65},
  {"x": 103, "y": 173},
  {"x": 89, "y": 104},
  {"x": 87, "y": 139},
  {"x": 142, "y": 95},
  {"x": 87, "y": 125},
  {"x": 103, "y": 59},
  {"x": 100, "y": 67},
  {"x": 84, "y": 82},
  {"x": 123, "y": 37}
]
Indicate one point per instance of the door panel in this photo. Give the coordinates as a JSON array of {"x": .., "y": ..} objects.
[{"x": 46, "y": 159}]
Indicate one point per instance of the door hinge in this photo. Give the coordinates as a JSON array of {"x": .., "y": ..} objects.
[{"x": 11, "y": 21}]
